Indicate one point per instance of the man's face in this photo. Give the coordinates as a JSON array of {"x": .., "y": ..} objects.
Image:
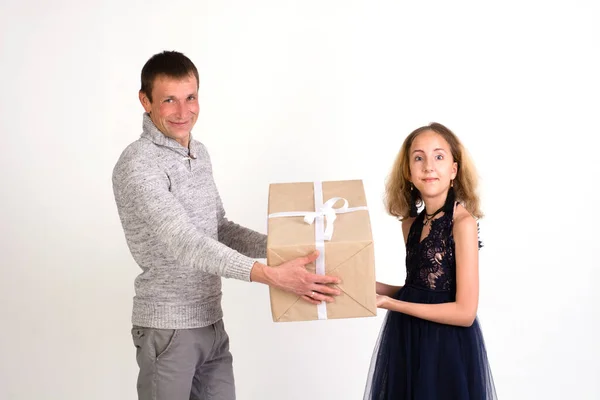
[{"x": 174, "y": 107}]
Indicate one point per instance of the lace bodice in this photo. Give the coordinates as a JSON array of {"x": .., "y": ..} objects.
[{"x": 430, "y": 263}]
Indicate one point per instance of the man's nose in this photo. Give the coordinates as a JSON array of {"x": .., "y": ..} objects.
[{"x": 182, "y": 110}]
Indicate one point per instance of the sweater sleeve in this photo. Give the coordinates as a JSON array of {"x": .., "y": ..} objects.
[
  {"x": 143, "y": 190},
  {"x": 242, "y": 239}
]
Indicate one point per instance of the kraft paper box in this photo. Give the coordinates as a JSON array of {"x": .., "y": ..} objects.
[{"x": 348, "y": 254}]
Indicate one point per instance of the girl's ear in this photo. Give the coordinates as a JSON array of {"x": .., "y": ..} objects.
[{"x": 454, "y": 170}]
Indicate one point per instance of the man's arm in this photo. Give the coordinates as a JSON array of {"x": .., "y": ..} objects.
[
  {"x": 142, "y": 189},
  {"x": 242, "y": 239}
]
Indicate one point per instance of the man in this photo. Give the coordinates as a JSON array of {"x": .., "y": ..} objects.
[{"x": 176, "y": 230}]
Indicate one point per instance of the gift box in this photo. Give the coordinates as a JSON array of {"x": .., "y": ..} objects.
[{"x": 333, "y": 218}]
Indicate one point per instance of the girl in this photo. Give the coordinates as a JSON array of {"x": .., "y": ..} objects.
[{"x": 431, "y": 346}]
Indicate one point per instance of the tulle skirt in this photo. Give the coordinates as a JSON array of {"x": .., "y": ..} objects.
[{"x": 422, "y": 360}]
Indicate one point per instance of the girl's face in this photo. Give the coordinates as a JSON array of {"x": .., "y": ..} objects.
[{"x": 432, "y": 166}]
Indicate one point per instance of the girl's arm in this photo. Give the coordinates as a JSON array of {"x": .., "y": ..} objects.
[
  {"x": 385, "y": 289},
  {"x": 389, "y": 290},
  {"x": 463, "y": 311}
]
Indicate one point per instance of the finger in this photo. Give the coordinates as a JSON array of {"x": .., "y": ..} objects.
[
  {"x": 310, "y": 258},
  {"x": 324, "y": 289},
  {"x": 321, "y": 297},
  {"x": 325, "y": 279},
  {"x": 310, "y": 300}
]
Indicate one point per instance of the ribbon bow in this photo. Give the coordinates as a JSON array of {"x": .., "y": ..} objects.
[{"x": 328, "y": 211}]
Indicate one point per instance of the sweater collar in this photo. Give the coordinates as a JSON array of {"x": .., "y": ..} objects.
[{"x": 152, "y": 133}]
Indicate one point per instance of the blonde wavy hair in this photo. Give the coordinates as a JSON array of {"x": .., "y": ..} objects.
[{"x": 398, "y": 186}]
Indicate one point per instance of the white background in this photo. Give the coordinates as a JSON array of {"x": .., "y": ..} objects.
[{"x": 300, "y": 91}]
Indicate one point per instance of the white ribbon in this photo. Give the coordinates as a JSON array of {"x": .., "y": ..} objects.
[
  {"x": 324, "y": 213},
  {"x": 325, "y": 210}
]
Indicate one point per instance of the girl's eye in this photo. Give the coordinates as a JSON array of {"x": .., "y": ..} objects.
[
  {"x": 418, "y": 158},
  {"x": 439, "y": 157}
]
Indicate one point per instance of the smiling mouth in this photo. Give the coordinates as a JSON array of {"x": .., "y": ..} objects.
[
  {"x": 428, "y": 180},
  {"x": 179, "y": 123}
]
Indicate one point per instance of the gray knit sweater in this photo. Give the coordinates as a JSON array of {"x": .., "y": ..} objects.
[{"x": 176, "y": 230}]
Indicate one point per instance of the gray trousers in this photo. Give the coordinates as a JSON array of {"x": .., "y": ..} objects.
[{"x": 184, "y": 364}]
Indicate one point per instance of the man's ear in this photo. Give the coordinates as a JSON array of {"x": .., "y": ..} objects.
[{"x": 146, "y": 103}]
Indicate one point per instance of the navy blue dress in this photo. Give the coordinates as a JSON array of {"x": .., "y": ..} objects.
[{"x": 422, "y": 360}]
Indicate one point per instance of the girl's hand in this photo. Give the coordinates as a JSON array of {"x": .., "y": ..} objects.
[{"x": 383, "y": 301}]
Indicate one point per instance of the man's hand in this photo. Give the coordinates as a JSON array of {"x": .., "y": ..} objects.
[{"x": 293, "y": 277}]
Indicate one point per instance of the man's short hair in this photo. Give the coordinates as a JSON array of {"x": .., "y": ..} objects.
[{"x": 169, "y": 63}]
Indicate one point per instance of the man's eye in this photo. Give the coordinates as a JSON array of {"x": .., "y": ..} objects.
[
  {"x": 192, "y": 98},
  {"x": 168, "y": 101}
]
